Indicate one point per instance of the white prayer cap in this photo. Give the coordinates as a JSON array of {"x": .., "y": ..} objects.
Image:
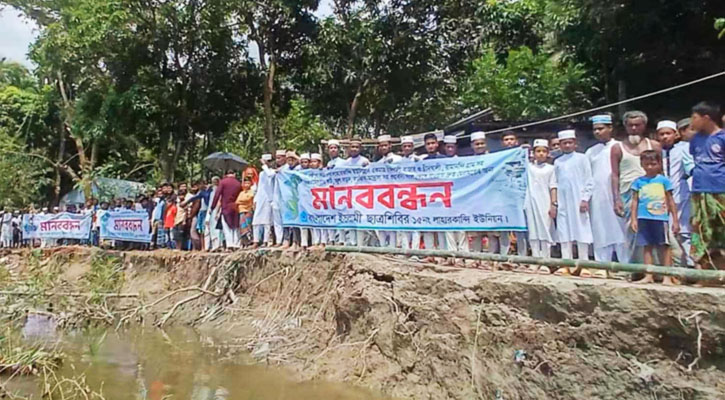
[
  {"x": 292, "y": 154},
  {"x": 541, "y": 143},
  {"x": 266, "y": 157},
  {"x": 333, "y": 142},
  {"x": 567, "y": 134},
  {"x": 602, "y": 119},
  {"x": 449, "y": 139},
  {"x": 305, "y": 156},
  {"x": 281, "y": 153},
  {"x": 667, "y": 124},
  {"x": 478, "y": 135},
  {"x": 316, "y": 156},
  {"x": 406, "y": 139},
  {"x": 45, "y": 209},
  {"x": 384, "y": 138}
]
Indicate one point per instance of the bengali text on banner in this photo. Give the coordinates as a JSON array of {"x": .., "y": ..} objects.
[
  {"x": 130, "y": 226},
  {"x": 475, "y": 193},
  {"x": 63, "y": 226}
]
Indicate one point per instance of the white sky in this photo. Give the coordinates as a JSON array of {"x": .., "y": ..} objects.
[{"x": 16, "y": 33}]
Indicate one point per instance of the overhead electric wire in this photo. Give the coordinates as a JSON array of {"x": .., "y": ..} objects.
[{"x": 591, "y": 110}]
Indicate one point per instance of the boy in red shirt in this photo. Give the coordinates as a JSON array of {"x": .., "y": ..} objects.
[{"x": 169, "y": 217}]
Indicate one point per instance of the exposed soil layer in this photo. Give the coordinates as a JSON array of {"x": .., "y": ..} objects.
[{"x": 421, "y": 331}]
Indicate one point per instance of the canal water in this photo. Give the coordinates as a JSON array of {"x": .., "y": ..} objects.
[{"x": 172, "y": 364}]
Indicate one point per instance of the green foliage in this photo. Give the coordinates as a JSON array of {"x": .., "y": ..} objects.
[
  {"x": 24, "y": 178},
  {"x": 105, "y": 275},
  {"x": 526, "y": 86},
  {"x": 720, "y": 26},
  {"x": 300, "y": 129}
]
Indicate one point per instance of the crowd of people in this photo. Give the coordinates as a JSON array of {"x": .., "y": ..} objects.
[{"x": 649, "y": 198}]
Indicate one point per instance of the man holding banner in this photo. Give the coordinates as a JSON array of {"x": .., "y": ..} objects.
[
  {"x": 386, "y": 238},
  {"x": 409, "y": 239}
]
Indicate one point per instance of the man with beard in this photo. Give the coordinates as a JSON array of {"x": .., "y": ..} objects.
[{"x": 626, "y": 167}]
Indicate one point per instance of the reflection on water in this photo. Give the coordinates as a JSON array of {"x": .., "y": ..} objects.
[{"x": 151, "y": 364}]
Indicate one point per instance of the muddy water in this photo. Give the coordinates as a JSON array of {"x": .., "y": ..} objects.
[{"x": 172, "y": 364}]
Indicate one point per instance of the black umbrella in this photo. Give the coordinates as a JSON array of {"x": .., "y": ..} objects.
[{"x": 225, "y": 161}]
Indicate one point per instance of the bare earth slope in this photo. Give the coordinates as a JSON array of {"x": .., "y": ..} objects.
[{"x": 425, "y": 332}]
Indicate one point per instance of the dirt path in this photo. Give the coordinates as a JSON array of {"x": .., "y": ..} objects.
[{"x": 428, "y": 332}]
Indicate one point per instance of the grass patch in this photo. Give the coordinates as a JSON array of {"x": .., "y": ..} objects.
[
  {"x": 105, "y": 275},
  {"x": 19, "y": 358}
]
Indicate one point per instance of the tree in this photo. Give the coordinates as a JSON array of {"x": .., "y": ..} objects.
[
  {"x": 280, "y": 29},
  {"x": 526, "y": 86},
  {"x": 635, "y": 47}
]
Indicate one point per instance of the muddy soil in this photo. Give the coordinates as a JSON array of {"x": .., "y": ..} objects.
[{"x": 420, "y": 331}]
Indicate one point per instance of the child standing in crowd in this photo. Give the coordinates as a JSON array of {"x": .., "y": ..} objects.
[
  {"x": 245, "y": 204},
  {"x": 575, "y": 186},
  {"x": 651, "y": 202},
  {"x": 677, "y": 165},
  {"x": 169, "y": 217},
  {"x": 541, "y": 203},
  {"x": 708, "y": 182}
]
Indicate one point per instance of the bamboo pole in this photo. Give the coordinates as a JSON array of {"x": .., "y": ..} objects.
[{"x": 682, "y": 273}]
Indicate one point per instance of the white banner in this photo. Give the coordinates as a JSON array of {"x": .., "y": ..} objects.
[
  {"x": 129, "y": 226},
  {"x": 63, "y": 226}
]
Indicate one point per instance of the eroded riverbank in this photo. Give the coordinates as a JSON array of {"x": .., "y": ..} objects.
[{"x": 418, "y": 331}]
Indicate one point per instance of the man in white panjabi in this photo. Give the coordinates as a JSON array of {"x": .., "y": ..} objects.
[
  {"x": 319, "y": 235},
  {"x": 262, "y": 221},
  {"x": 409, "y": 239},
  {"x": 455, "y": 240},
  {"x": 305, "y": 233},
  {"x": 355, "y": 237},
  {"x": 575, "y": 185},
  {"x": 541, "y": 203},
  {"x": 608, "y": 229},
  {"x": 334, "y": 236},
  {"x": 387, "y": 238},
  {"x": 478, "y": 144}
]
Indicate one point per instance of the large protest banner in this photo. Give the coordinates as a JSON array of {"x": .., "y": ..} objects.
[
  {"x": 476, "y": 193},
  {"x": 130, "y": 226},
  {"x": 63, "y": 226},
  {"x": 30, "y": 226}
]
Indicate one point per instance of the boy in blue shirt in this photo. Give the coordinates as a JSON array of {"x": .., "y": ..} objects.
[
  {"x": 651, "y": 202},
  {"x": 708, "y": 183}
]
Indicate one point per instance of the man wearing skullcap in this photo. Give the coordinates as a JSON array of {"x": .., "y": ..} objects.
[
  {"x": 479, "y": 147},
  {"x": 263, "y": 219},
  {"x": 455, "y": 240},
  {"x": 409, "y": 239},
  {"x": 387, "y": 238},
  {"x": 677, "y": 166},
  {"x": 355, "y": 159},
  {"x": 333, "y": 151},
  {"x": 608, "y": 229},
  {"x": 574, "y": 191}
]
